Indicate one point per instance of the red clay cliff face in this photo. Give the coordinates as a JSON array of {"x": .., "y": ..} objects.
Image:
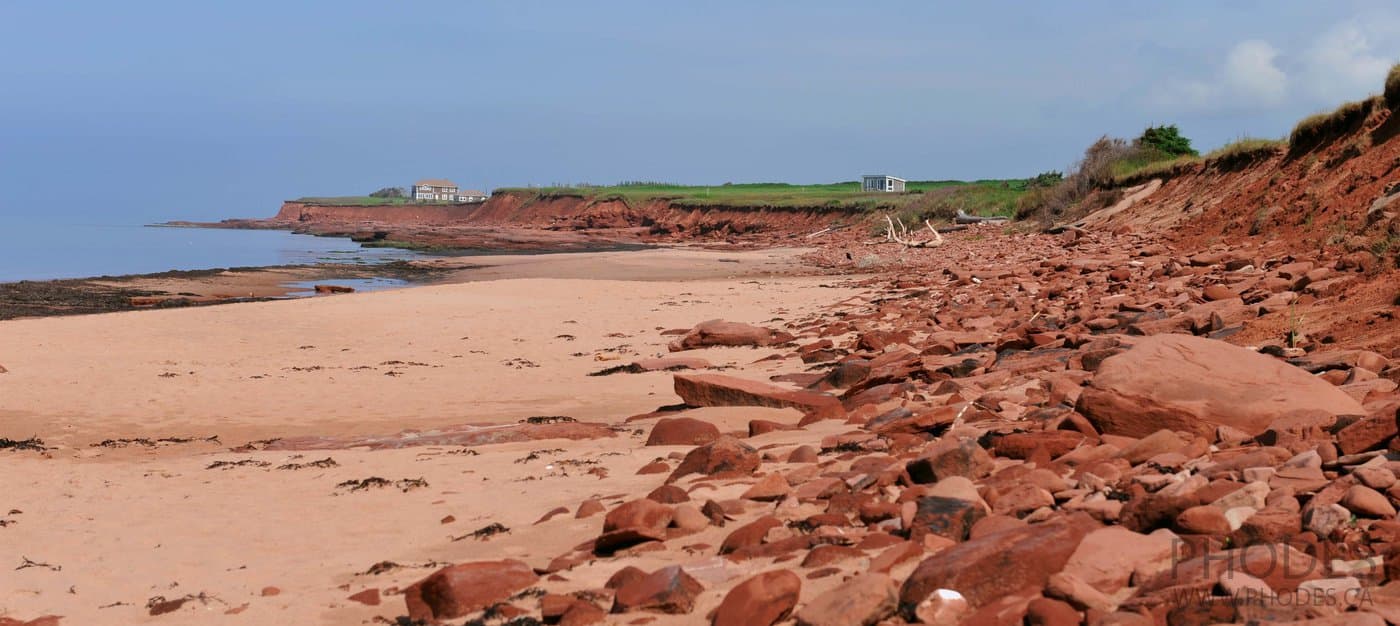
[
  {"x": 511, "y": 221},
  {"x": 422, "y": 214}
]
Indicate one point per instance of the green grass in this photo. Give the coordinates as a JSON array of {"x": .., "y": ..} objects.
[
  {"x": 1140, "y": 160},
  {"x": 1246, "y": 148},
  {"x": 979, "y": 197},
  {"x": 1244, "y": 151},
  {"x": 1162, "y": 168}
]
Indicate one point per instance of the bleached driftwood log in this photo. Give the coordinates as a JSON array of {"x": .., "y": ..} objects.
[
  {"x": 964, "y": 218},
  {"x": 900, "y": 235}
]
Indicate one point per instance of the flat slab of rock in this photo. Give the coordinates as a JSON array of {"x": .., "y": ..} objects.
[
  {"x": 720, "y": 390},
  {"x": 722, "y": 333},
  {"x": 1193, "y": 384}
]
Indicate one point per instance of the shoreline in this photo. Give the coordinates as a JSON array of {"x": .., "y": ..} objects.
[
  {"x": 308, "y": 461},
  {"x": 226, "y": 285}
]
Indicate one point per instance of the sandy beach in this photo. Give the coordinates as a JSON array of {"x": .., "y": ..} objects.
[{"x": 121, "y": 524}]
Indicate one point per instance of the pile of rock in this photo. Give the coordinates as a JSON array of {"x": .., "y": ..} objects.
[{"x": 1056, "y": 441}]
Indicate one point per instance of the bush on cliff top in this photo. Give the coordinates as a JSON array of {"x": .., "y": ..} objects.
[
  {"x": 1166, "y": 139},
  {"x": 1392, "y": 87},
  {"x": 1317, "y": 129}
]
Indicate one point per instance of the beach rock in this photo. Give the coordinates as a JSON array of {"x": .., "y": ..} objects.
[
  {"x": 701, "y": 390},
  {"x": 1281, "y": 566},
  {"x": 589, "y": 508},
  {"x": 459, "y": 590},
  {"x": 1368, "y": 502},
  {"x": 632, "y": 523},
  {"x": 43, "y": 620},
  {"x": 1217, "y": 291},
  {"x": 1203, "y": 520},
  {"x": 333, "y": 289},
  {"x": 943, "y": 607},
  {"x": 1048, "y": 612},
  {"x": 1108, "y": 557},
  {"x": 770, "y": 488},
  {"x": 803, "y": 454},
  {"x": 998, "y": 564},
  {"x": 946, "y": 517},
  {"x": 950, "y": 457},
  {"x": 667, "y": 363},
  {"x": 725, "y": 455},
  {"x": 750, "y": 534},
  {"x": 861, "y": 601},
  {"x": 368, "y": 597},
  {"x": 722, "y": 333},
  {"x": 1375, "y": 477},
  {"x": 1368, "y": 433},
  {"x": 654, "y": 467},
  {"x": 1192, "y": 384},
  {"x": 667, "y": 590},
  {"x": 624, "y": 576},
  {"x": 762, "y": 600},
  {"x": 668, "y": 494},
  {"x": 682, "y": 431},
  {"x": 569, "y": 610}
]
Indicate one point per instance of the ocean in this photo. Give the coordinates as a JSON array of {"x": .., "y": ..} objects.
[{"x": 50, "y": 251}]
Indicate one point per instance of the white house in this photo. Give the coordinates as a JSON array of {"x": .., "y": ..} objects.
[
  {"x": 881, "y": 182},
  {"x": 442, "y": 190},
  {"x": 435, "y": 190}
]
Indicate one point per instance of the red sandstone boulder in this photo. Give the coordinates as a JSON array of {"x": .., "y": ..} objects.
[
  {"x": 999, "y": 564},
  {"x": 667, "y": 590},
  {"x": 762, "y": 600},
  {"x": 458, "y": 590},
  {"x": 749, "y": 535},
  {"x": 682, "y": 431},
  {"x": 860, "y": 601},
  {"x": 947, "y": 517},
  {"x": 1193, "y": 384},
  {"x": 719, "y": 390},
  {"x": 722, "y": 333},
  {"x": 950, "y": 457},
  {"x": 725, "y": 455},
  {"x": 632, "y": 523},
  {"x": 1108, "y": 557}
]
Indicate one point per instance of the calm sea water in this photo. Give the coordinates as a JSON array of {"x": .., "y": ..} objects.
[{"x": 43, "y": 251}]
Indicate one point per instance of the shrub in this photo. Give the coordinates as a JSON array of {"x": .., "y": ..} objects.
[
  {"x": 389, "y": 192},
  {"x": 1166, "y": 139},
  {"x": 1317, "y": 129},
  {"x": 1392, "y": 87},
  {"x": 1045, "y": 179}
]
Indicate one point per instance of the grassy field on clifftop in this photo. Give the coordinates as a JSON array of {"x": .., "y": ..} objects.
[{"x": 924, "y": 197}]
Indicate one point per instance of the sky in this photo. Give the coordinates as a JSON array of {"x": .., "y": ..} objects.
[{"x": 138, "y": 111}]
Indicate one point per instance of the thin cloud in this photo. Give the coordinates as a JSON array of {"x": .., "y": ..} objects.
[
  {"x": 1344, "y": 62},
  {"x": 1252, "y": 75},
  {"x": 1249, "y": 77}
]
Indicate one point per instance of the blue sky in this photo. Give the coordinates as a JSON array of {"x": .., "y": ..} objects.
[{"x": 144, "y": 110}]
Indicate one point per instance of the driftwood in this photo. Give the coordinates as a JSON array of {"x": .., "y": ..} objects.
[
  {"x": 1057, "y": 229},
  {"x": 900, "y": 235},
  {"x": 964, "y": 218}
]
